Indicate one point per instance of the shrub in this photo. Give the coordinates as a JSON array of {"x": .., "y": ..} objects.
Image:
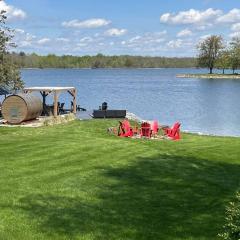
[
  {"x": 59, "y": 119},
  {"x": 231, "y": 229}
]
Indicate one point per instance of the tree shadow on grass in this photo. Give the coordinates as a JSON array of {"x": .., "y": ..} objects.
[{"x": 163, "y": 197}]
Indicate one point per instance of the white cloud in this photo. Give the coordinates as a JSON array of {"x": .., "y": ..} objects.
[
  {"x": 30, "y": 37},
  {"x": 115, "y": 32},
  {"x": 90, "y": 23},
  {"x": 205, "y": 36},
  {"x": 43, "y": 41},
  {"x": 147, "y": 43},
  {"x": 203, "y": 27},
  {"x": 135, "y": 39},
  {"x": 191, "y": 16},
  {"x": 19, "y": 31},
  {"x": 236, "y": 30},
  {"x": 202, "y": 19},
  {"x": 236, "y": 27},
  {"x": 24, "y": 44},
  {"x": 147, "y": 39},
  {"x": 62, "y": 39},
  {"x": 12, "y": 12},
  {"x": 81, "y": 44},
  {"x": 175, "y": 43},
  {"x": 185, "y": 33},
  {"x": 230, "y": 17},
  {"x": 86, "y": 39},
  {"x": 23, "y": 38},
  {"x": 235, "y": 34}
]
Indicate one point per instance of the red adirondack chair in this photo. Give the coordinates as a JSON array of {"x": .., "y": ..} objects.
[
  {"x": 174, "y": 132},
  {"x": 154, "y": 128},
  {"x": 145, "y": 130},
  {"x": 125, "y": 129}
]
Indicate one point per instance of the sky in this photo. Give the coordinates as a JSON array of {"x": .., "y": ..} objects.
[{"x": 135, "y": 27}]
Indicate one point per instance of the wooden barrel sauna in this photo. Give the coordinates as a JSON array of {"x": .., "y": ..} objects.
[{"x": 18, "y": 108}]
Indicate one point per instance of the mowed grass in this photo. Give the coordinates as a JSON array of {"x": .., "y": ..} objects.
[{"x": 75, "y": 181}]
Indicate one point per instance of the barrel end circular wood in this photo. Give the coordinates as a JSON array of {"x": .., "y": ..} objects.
[{"x": 21, "y": 107}]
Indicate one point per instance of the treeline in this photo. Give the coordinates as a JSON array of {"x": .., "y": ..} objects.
[{"x": 99, "y": 61}]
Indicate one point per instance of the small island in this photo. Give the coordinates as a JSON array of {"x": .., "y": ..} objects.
[
  {"x": 209, "y": 76},
  {"x": 214, "y": 54}
]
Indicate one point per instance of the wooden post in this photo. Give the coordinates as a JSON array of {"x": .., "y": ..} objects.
[
  {"x": 55, "y": 113},
  {"x": 74, "y": 101},
  {"x": 44, "y": 102}
]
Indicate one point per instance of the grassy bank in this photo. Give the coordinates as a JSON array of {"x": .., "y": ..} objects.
[
  {"x": 231, "y": 76},
  {"x": 75, "y": 181}
]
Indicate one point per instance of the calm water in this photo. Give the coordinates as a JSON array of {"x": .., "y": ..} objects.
[{"x": 201, "y": 105}]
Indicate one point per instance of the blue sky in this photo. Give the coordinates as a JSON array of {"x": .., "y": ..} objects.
[{"x": 143, "y": 27}]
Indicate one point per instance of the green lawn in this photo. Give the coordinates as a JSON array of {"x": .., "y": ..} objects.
[{"x": 75, "y": 181}]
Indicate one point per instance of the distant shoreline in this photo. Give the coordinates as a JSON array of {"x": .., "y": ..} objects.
[
  {"x": 36, "y": 68},
  {"x": 209, "y": 76}
]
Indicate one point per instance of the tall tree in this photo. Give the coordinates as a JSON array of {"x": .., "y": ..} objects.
[
  {"x": 235, "y": 53},
  {"x": 224, "y": 60},
  {"x": 209, "y": 50},
  {"x": 9, "y": 73}
]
